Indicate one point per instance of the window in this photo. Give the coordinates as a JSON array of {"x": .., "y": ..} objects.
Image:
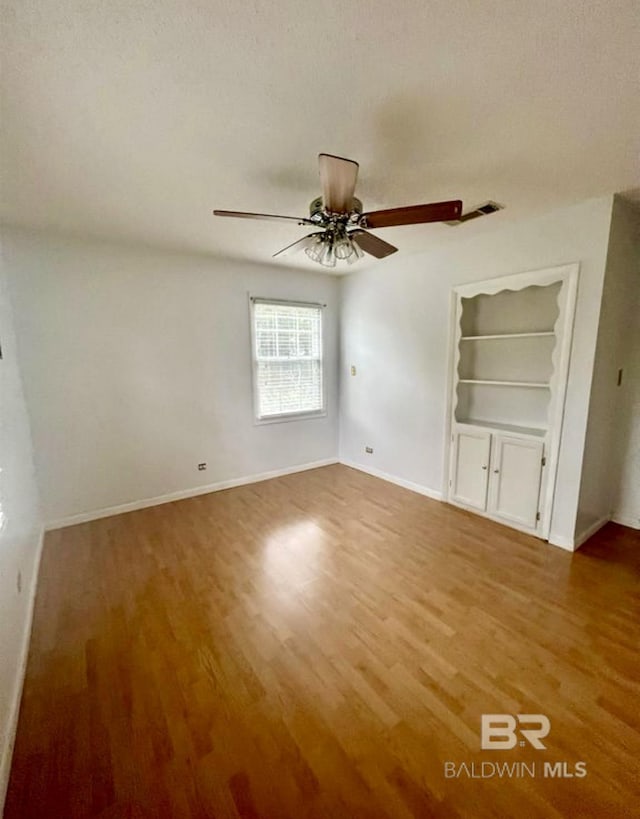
[{"x": 287, "y": 359}]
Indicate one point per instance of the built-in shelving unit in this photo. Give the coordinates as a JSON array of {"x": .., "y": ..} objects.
[
  {"x": 510, "y": 352},
  {"x": 505, "y": 351}
]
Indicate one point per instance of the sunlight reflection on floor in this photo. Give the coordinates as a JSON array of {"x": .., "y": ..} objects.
[{"x": 293, "y": 556}]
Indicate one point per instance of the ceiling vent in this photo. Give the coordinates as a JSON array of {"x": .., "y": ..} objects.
[{"x": 481, "y": 210}]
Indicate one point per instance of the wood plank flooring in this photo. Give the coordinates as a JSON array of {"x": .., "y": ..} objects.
[{"x": 320, "y": 645}]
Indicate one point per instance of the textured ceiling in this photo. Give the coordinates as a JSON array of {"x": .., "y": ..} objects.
[{"x": 132, "y": 120}]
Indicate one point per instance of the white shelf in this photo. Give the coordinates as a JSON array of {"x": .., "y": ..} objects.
[
  {"x": 541, "y": 334},
  {"x": 504, "y": 368},
  {"x": 536, "y": 432},
  {"x": 535, "y": 384}
]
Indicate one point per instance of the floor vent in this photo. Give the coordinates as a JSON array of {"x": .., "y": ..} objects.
[{"x": 481, "y": 210}]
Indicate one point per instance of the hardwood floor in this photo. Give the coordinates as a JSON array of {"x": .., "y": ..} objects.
[{"x": 320, "y": 645}]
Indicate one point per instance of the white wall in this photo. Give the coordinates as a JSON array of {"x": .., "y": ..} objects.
[
  {"x": 137, "y": 367},
  {"x": 609, "y": 444},
  {"x": 20, "y": 533},
  {"x": 394, "y": 329}
]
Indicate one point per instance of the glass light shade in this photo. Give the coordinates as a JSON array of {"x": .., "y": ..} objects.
[
  {"x": 328, "y": 257},
  {"x": 344, "y": 247},
  {"x": 329, "y": 247},
  {"x": 316, "y": 249}
]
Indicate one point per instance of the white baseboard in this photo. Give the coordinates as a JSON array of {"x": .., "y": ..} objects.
[
  {"x": 571, "y": 544},
  {"x": 626, "y": 520},
  {"x": 563, "y": 542},
  {"x": 6, "y": 753},
  {"x": 377, "y": 473},
  {"x": 107, "y": 512},
  {"x": 589, "y": 531}
]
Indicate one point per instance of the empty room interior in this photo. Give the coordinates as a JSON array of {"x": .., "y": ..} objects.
[{"x": 320, "y": 410}]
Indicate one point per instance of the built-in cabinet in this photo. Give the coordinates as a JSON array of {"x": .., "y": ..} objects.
[
  {"x": 498, "y": 473},
  {"x": 510, "y": 356}
]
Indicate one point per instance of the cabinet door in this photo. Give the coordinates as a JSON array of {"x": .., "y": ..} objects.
[
  {"x": 516, "y": 470},
  {"x": 471, "y": 468}
]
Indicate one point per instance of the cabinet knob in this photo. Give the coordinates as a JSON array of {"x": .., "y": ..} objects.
[
  {"x": 484, "y": 467},
  {"x": 495, "y": 471}
]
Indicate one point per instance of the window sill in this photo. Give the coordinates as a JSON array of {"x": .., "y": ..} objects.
[{"x": 294, "y": 416}]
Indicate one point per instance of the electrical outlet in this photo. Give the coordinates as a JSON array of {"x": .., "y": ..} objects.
[
  {"x": 353, "y": 369},
  {"x": 202, "y": 467},
  {"x": 19, "y": 582},
  {"x": 369, "y": 450}
]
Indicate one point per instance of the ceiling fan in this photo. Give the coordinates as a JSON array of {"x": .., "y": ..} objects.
[{"x": 338, "y": 214}]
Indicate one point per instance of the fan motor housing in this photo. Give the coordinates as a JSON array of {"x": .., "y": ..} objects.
[{"x": 318, "y": 214}]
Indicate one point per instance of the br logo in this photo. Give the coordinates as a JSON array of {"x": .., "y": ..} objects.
[{"x": 500, "y": 731}]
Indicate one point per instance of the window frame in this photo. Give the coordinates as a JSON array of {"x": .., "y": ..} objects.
[{"x": 258, "y": 420}]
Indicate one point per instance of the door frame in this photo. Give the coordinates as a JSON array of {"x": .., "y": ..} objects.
[{"x": 568, "y": 275}]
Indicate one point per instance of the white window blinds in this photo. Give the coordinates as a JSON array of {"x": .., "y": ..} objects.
[{"x": 287, "y": 358}]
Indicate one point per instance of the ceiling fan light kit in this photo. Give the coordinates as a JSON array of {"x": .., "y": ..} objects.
[
  {"x": 331, "y": 246},
  {"x": 339, "y": 215}
]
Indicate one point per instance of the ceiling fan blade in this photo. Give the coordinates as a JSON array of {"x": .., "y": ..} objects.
[
  {"x": 269, "y": 216},
  {"x": 372, "y": 244},
  {"x": 294, "y": 247},
  {"x": 338, "y": 177},
  {"x": 413, "y": 214}
]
